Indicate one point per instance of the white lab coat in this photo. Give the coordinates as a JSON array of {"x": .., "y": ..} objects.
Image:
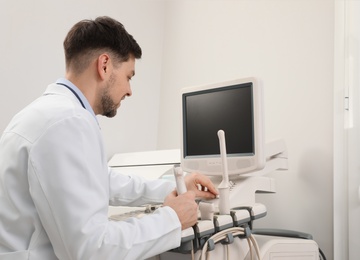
[{"x": 55, "y": 188}]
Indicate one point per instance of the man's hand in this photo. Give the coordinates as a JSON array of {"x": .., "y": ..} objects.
[
  {"x": 198, "y": 186},
  {"x": 185, "y": 207},
  {"x": 201, "y": 185}
]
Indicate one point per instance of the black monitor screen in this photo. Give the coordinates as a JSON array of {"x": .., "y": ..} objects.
[{"x": 228, "y": 108}]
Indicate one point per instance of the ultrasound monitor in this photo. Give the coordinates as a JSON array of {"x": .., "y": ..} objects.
[{"x": 236, "y": 107}]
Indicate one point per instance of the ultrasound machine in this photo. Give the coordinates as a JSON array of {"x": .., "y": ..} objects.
[{"x": 223, "y": 137}]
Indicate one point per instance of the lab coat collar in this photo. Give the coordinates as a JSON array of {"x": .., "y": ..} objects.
[{"x": 61, "y": 90}]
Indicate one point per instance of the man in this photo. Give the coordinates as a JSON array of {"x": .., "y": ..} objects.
[{"x": 55, "y": 186}]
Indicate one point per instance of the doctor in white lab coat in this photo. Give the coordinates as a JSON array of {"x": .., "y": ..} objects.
[{"x": 55, "y": 185}]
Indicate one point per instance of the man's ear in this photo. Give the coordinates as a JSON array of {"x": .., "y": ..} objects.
[{"x": 103, "y": 65}]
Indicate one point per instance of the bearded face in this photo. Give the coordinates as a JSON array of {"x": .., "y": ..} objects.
[{"x": 109, "y": 107}]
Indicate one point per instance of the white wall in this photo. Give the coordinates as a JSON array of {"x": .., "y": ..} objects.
[
  {"x": 289, "y": 45},
  {"x": 32, "y": 33}
]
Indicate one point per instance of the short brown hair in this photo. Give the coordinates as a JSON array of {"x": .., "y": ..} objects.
[{"x": 87, "y": 37}]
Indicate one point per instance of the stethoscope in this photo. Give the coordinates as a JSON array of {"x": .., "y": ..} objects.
[
  {"x": 73, "y": 91},
  {"x": 77, "y": 96}
]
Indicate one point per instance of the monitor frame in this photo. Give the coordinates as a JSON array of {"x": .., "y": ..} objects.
[{"x": 211, "y": 165}]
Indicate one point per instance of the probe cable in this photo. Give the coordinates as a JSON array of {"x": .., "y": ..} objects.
[{"x": 235, "y": 231}]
